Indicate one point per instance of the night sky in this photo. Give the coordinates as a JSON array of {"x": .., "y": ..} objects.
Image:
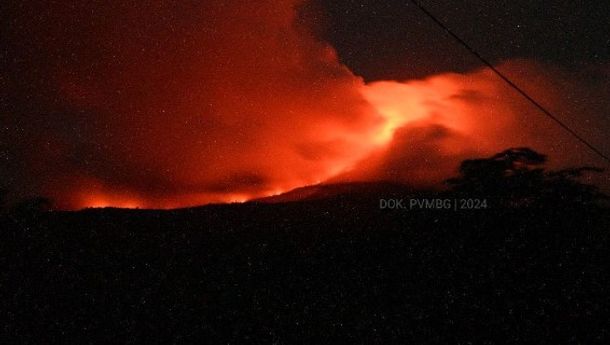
[
  {"x": 163, "y": 104},
  {"x": 394, "y": 40}
]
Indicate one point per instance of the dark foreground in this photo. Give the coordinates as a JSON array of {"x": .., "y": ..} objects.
[{"x": 316, "y": 272}]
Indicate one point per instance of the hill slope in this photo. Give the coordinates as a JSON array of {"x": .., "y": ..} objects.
[{"x": 323, "y": 270}]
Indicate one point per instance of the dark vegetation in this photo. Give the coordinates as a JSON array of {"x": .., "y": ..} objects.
[{"x": 331, "y": 268}]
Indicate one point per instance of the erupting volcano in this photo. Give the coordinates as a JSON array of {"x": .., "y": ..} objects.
[{"x": 173, "y": 105}]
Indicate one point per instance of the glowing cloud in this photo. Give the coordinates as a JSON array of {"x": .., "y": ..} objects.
[
  {"x": 175, "y": 104},
  {"x": 432, "y": 125}
]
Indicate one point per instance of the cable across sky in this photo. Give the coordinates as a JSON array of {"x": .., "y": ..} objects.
[{"x": 511, "y": 83}]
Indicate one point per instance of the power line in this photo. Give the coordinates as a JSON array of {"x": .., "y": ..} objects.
[{"x": 510, "y": 82}]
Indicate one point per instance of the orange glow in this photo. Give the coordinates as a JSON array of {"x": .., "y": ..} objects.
[
  {"x": 216, "y": 111},
  {"x": 102, "y": 200},
  {"x": 414, "y": 132},
  {"x": 431, "y": 125}
]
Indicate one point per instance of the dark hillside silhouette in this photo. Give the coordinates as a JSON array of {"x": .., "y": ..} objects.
[
  {"x": 32, "y": 206},
  {"x": 334, "y": 269},
  {"x": 2, "y": 200}
]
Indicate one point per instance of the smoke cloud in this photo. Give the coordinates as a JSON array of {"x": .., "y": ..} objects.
[
  {"x": 170, "y": 104},
  {"x": 438, "y": 122},
  {"x": 176, "y": 104}
]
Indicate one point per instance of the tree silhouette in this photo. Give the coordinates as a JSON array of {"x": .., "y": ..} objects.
[{"x": 516, "y": 177}]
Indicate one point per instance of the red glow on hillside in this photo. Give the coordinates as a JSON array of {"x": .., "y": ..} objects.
[{"x": 242, "y": 100}]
